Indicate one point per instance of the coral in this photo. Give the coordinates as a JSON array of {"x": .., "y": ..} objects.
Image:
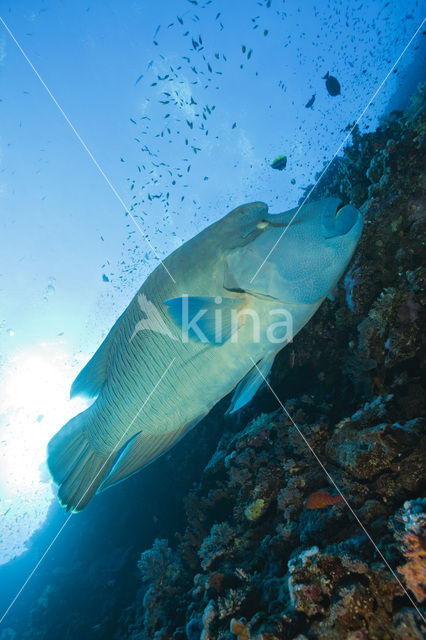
[
  {"x": 193, "y": 629},
  {"x": 364, "y": 453},
  {"x": 239, "y": 629},
  {"x": 255, "y": 509},
  {"x": 218, "y": 545},
  {"x": 413, "y": 545},
  {"x": 160, "y": 571},
  {"x": 269, "y": 550},
  {"x": 414, "y": 570},
  {"x": 231, "y": 602},
  {"x": 208, "y": 621},
  {"x": 342, "y": 595}
]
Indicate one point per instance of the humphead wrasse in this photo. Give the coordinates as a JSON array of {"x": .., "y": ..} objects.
[{"x": 183, "y": 343}]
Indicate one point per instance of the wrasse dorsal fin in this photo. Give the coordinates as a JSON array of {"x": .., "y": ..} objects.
[
  {"x": 284, "y": 219},
  {"x": 92, "y": 377}
]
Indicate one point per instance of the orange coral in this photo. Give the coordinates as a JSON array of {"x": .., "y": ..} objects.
[
  {"x": 414, "y": 570},
  {"x": 239, "y": 629}
]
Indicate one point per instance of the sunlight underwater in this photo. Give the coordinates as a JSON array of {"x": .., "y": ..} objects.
[{"x": 33, "y": 397}]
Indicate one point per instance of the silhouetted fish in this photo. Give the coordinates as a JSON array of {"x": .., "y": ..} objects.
[
  {"x": 332, "y": 84},
  {"x": 279, "y": 163},
  {"x": 310, "y": 102}
]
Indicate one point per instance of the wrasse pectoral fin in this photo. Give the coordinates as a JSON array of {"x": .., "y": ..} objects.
[
  {"x": 143, "y": 448},
  {"x": 250, "y": 384},
  {"x": 204, "y": 318}
]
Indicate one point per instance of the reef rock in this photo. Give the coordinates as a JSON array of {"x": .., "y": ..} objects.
[{"x": 312, "y": 527}]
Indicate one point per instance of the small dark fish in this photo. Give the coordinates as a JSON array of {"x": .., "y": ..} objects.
[
  {"x": 332, "y": 84},
  {"x": 310, "y": 102},
  {"x": 279, "y": 163}
]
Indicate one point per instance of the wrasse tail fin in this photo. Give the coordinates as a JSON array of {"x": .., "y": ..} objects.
[{"x": 75, "y": 466}]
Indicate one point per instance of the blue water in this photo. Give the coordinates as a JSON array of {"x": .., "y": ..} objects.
[{"x": 173, "y": 110}]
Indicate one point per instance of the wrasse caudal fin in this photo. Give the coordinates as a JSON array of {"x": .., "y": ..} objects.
[{"x": 75, "y": 466}]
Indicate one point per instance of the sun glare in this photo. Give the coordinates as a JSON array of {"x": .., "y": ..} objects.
[{"x": 34, "y": 404}]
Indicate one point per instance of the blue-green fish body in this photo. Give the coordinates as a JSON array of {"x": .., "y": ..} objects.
[{"x": 184, "y": 343}]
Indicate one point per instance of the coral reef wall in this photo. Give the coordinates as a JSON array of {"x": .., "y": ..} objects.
[{"x": 271, "y": 549}]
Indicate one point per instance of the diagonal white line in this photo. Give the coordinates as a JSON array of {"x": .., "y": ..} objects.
[
  {"x": 341, "y": 146},
  {"x": 85, "y": 147},
  {"x": 113, "y": 452},
  {"x": 301, "y": 434}
]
